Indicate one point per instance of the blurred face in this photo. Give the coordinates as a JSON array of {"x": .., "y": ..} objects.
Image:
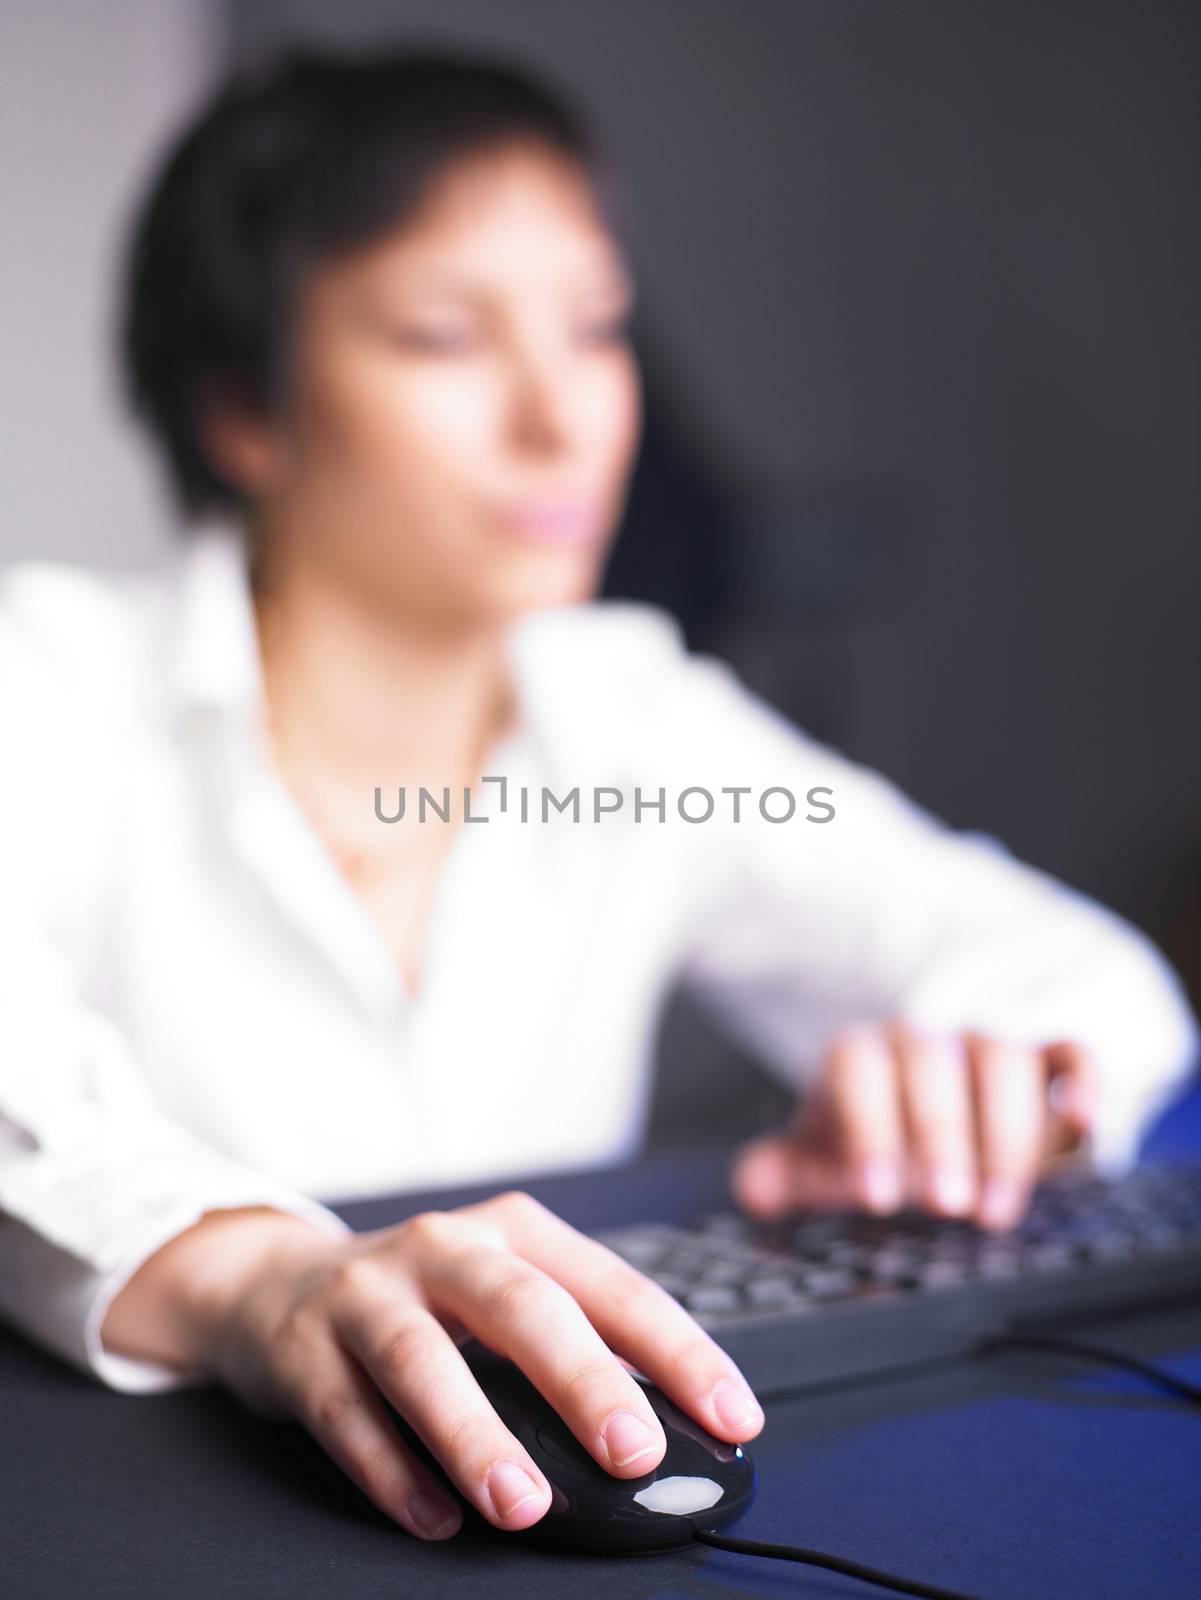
[{"x": 465, "y": 403}]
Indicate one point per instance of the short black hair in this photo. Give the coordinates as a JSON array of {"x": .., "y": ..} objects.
[{"x": 293, "y": 161}]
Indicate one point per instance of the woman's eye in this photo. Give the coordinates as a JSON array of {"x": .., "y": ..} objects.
[{"x": 436, "y": 341}]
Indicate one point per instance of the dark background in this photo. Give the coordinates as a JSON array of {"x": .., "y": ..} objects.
[{"x": 921, "y": 304}]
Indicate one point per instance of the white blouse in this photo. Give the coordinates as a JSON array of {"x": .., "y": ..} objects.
[{"x": 198, "y": 1012}]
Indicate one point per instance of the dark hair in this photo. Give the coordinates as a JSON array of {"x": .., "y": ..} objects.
[{"x": 291, "y": 163}]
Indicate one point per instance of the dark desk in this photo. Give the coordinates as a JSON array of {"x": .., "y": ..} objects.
[{"x": 1019, "y": 1476}]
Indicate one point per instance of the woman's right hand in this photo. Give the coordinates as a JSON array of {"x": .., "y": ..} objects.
[{"x": 327, "y": 1330}]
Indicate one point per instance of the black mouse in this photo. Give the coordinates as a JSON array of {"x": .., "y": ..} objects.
[{"x": 702, "y": 1482}]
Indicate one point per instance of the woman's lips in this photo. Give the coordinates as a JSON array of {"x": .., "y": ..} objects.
[{"x": 553, "y": 521}]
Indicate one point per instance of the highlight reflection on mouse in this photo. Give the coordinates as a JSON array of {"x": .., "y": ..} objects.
[{"x": 465, "y": 990}]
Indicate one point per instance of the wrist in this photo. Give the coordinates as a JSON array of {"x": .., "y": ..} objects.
[
  {"x": 172, "y": 1308},
  {"x": 229, "y": 1252}
]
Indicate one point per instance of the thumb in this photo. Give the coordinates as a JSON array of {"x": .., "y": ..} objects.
[{"x": 786, "y": 1172}]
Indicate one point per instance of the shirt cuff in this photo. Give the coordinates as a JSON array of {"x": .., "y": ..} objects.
[{"x": 61, "y": 1300}]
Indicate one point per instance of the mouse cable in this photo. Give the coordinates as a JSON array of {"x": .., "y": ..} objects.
[
  {"x": 1087, "y": 1351},
  {"x": 1102, "y": 1354},
  {"x": 819, "y": 1558},
  {"x": 1011, "y": 1339}
]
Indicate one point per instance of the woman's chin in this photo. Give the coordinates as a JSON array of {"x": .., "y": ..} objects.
[{"x": 552, "y": 583}]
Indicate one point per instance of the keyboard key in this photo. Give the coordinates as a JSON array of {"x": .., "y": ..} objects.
[
  {"x": 998, "y": 1262},
  {"x": 711, "y": 1297},
  {"x": 774, "y": 1292},
  {"x": 941, "y": 1274},
  {"x": 824, "y": 1283}
]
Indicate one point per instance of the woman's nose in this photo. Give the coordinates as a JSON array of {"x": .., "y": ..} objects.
[{"x": 543, "y": 404}]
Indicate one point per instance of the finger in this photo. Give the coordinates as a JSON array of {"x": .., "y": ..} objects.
[
  {"x": 410, "y": 1356},
  {"x": 936, "y": 1095},
  {"x": 790, "y": 1171},
  {"x": 531, "y": 1317},
  {"x": 1008, "y": 1083},
  {"x": 334, "y": 1399},
  {"x": 1072, "y": 1083},
  {"x": 862, "y": 1085},
  {"x": 638, "y": 1319}
]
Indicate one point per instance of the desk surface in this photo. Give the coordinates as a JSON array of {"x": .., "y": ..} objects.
[{"x": 1018, "y": 1476}]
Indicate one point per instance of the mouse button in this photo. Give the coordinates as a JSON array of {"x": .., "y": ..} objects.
[
  {"x": 562, "y": 1446},
  {"x": 678, "y": 1421}
]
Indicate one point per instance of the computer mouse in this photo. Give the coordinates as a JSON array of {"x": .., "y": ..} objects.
[{"x": 702, "y": 1482}]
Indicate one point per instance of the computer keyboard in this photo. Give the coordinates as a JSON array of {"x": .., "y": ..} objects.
[{"x": 824, "y": 1297}]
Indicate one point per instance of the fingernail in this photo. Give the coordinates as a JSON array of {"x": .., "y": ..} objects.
[
  {"x": 881, "y": 1185},
  {"x": 510, "y": 1486},
  {"x": 433, "y": 1515},
  {"x": 736, "y": 1406},
  {"x": 627, "y": 1437},
  {"x": 952, "y": 1191},
  {"x": 1080, "y": 1103},
  {"x": 999, "y": 1203}
]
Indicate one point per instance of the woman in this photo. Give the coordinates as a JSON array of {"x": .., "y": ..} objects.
[{"x": 377, "y": 323}]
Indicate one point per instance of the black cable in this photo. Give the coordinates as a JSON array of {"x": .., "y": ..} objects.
[
  {"x": 819, "y": 1558},
  {"x": 1189, "y": 1392},
  {"x": 1180, "y": 1387}
]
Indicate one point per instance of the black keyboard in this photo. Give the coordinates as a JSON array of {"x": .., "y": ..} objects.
[{"x": 824, "y": 1297}]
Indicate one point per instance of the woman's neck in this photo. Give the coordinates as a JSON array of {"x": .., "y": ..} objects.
[{"x": 366, "y": 698}]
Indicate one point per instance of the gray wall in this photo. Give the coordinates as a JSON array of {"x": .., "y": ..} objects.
[{"x": 87, "y": 92}]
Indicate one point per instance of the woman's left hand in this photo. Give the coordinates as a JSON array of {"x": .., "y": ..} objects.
[{"x": 962, "y": 1126}]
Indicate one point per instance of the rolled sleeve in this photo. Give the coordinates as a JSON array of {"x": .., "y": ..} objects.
[
  {"x": 94, "y": 1177},
  {"x": 60, "y": 1298}
]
